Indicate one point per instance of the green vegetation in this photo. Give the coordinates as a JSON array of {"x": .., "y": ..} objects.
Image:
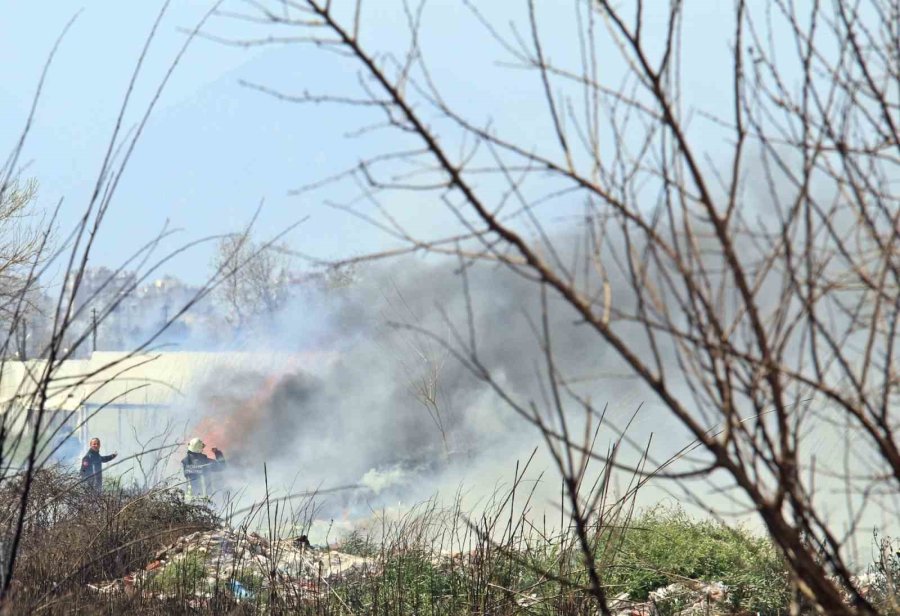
[
  {"x": 359, "y": 544},
  {"x": 410, "y": 583},
  {"x": 659, "y": 547},
  {"x": 665, "y": 545},
  {"x": 184, "y": 575}
]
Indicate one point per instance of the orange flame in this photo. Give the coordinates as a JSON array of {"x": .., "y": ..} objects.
[{"x": 228, "y": 420}]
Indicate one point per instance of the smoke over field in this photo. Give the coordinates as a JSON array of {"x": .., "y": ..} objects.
[
  {"x": 386, "y": 401},
  {"x": 386, "y": 397}
]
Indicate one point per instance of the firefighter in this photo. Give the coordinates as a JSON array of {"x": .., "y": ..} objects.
[
  {"x": 91, "y": 465},
  {"x": 198, "y": 468}
]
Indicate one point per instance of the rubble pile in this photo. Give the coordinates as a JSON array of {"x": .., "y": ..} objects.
[
  {"x": 249, "y": 567},
  {"x": 679, "y": 599},
  {"x": 695, "y": 598},
  {"x": 245, "y": 565}
]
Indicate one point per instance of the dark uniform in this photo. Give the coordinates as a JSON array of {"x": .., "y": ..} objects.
[
  {"x": 197, "y": 470},
  {"x": 92, "y": 470}
]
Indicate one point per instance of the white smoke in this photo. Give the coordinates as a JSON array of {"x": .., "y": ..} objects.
[
  {"x": 390, "y": 408},
  {"x": 380, "y": 480}
]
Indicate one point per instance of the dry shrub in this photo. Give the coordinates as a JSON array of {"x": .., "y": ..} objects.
[{"x": 73, "y": 536}]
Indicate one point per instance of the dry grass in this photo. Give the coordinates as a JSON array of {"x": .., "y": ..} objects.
[
  {"x": 434, "y": 559},
  {"x": 73, "y": 536}
]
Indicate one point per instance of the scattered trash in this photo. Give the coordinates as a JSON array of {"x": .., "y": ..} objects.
[
  {"x": 689, "y": 598},
  {"x": 227, "y": 559},
  {"x": 239, "y": 591},
  {"x": 250, "y": 567}
]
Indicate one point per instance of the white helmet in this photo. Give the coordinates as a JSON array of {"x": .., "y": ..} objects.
[{"x": 196, "y": 445}]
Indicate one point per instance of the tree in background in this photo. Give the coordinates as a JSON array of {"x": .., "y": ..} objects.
[
  {"x": 255, "y": 279},
  {"x": 23, "y": 240}
]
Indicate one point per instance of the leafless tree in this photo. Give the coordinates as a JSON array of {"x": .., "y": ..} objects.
[
  {"x": 21, "y": 241},
  {"x": 152, "y": 466},
  {"x": 255, "y": 282},
  {"x": 422, "y": 361},
  {"x": 757, "y": 285}
]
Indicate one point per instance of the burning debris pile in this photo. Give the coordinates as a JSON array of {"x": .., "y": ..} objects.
[{"x": 242, "y": 565}]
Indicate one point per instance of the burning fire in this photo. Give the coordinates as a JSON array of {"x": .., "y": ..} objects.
[{"x": 227, "y": 420}]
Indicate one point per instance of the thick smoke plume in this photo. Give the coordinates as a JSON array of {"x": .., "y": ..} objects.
[
  {"x": 361, "y": 388},
  {"x": 379, "y": 403}
]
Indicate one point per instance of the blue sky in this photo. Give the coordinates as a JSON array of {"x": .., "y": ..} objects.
[{"x": 214, "y": 150}]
